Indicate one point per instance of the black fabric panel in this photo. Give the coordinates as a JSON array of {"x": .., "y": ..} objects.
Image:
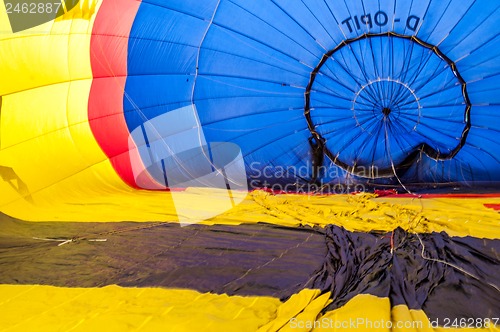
[
  {"x": 258, "y": 259},
  {"x": 455, "y": 277}
]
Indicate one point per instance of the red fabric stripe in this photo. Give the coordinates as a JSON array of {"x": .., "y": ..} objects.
[
  {"x": 493, "y": 206},
  {"x": 387, "y": 193},
  {"x": 108, "y": 56},
  {"x": 491, "y": 195}
]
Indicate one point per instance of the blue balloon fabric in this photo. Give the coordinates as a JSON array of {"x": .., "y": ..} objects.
[{"x": 327, "y": 91}]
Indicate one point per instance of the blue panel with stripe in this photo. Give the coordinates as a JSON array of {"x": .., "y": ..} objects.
[{"x": 410, "y": 88}]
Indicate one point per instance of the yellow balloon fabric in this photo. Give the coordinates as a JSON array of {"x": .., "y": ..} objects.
[{"x": 53, "y": 169}]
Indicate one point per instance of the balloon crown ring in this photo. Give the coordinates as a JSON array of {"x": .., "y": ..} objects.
[{"x": 384, "y": 99}]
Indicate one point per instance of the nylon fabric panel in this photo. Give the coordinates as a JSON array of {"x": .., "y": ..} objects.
[
  {"x": 108, "y": 52},
  {"x": 247, "y": 66},
  {"x": 128, "y": 308},
  {"x": 383, "y": 265},
  {"x": 44, "y": 126}
]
